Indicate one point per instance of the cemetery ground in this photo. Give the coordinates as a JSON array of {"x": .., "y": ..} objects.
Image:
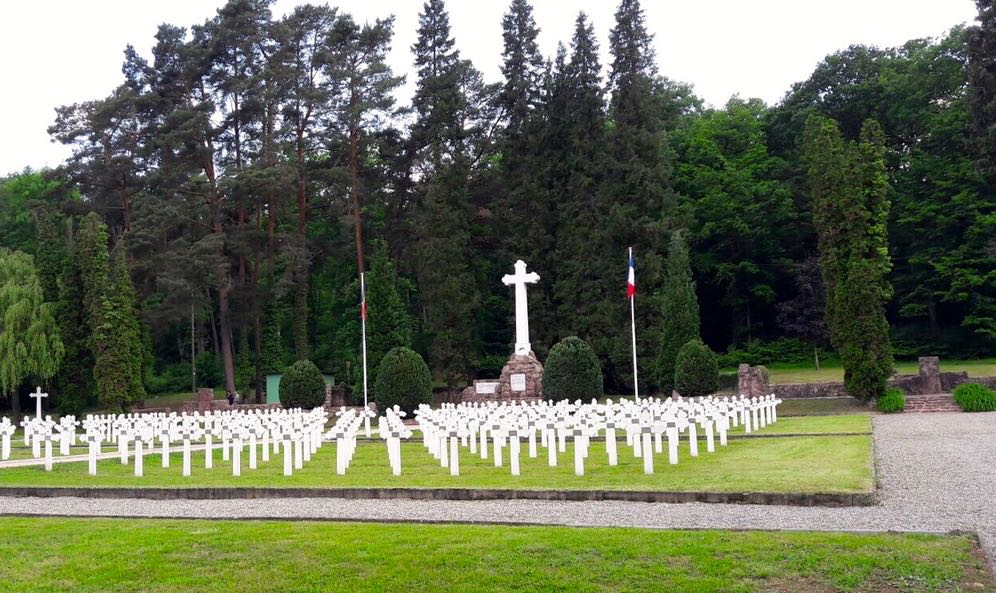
[
  {"x": 819, "y": 454},
  {"x": 88, "y": 555}
]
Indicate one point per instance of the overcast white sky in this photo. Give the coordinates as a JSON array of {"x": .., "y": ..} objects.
[{"x": 55, "y": 52}]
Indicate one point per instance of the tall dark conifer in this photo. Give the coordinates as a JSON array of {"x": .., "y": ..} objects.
[
  {"x": 522, "y": 205},
  {"x": 982, "y": 81},
  {"x": 637, "y": 204},
  {"x": 575, "y": 150},
  {"x": 439, "y": 144}
]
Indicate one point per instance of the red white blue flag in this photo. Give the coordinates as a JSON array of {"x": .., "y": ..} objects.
[
  {"x": 363, "y": 298},
  {"x": 631, "y": 279}
]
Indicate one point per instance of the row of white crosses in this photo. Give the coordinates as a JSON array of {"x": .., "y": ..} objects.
[
  {"x": 645, "y": 424},
  {"x": 136, "y": 434}
]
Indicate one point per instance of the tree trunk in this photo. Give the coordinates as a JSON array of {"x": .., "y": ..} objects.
[
  {"x": 354, "y": 172},
  {"x": 225, "y": 329},
  {"x": 15, "y": 403},
  {"x": 301, "y": 348},
  {"x": 816, "y": 356}
]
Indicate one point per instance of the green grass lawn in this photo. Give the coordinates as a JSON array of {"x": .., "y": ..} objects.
[
  {"x": 176, "y": 400},
  {"x": 795, "y": 373},
  {"x": 42, "y": 555},
  {"x": 821, "y": 407},
  {"x": 813, "y": 424},
  {"x": 811, "y": 464}
]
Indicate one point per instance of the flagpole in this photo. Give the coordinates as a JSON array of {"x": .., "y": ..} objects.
[
  {"x": 632, "y": 320},
  {"x": 363, "y": 292}
]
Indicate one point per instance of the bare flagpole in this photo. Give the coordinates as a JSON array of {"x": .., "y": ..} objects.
[
  {"x": 632, "y": 320},
  {"x": 363, "y": 317}
]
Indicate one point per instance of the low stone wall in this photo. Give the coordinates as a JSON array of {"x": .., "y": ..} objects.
[{"x": 222, "y": 405}]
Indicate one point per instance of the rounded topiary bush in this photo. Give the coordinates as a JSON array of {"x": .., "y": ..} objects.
[
  {"x": 972, "y": 397},
  {"x": 302, "y": 386},
  {"x": 403, "y": 379},
  {"x": 892, "y": 401},
  {"x": 696, "y": 372},
  {"x": 572, "y": 371}
]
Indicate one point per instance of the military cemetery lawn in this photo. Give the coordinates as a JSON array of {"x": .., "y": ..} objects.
[
  {"x": 822, "y": 407},
  {"x": 41, "y": 555},
  {"x": 807, "y": 464}
]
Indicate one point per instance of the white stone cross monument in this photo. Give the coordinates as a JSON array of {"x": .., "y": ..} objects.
[
  {"x": 38, "y": 395},
  {"x": 519, "y": 280}
]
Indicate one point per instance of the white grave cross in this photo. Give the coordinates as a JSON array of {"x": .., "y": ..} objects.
[
  {"x": 519, "y": 280},
  {"x": 38, "y": 395}
]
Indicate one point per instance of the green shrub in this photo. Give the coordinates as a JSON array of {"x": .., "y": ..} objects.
[
  {"x": 761, "y": 352},
  {"x": 403, "y": 379},
  {"x": 696, "y": 372},
  {"x": 892, "y": 401},
  {"x": 572, "y": 371},
  {"x": 302, "y": 386},
  {"x": 972, "y": 397}
]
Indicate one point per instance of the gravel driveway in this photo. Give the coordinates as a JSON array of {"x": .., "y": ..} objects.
[{"x": 937, "y": 472}]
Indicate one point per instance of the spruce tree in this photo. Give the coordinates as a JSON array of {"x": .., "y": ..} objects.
[
  {"x": 576, "y": 153},
  {"x": 637, "y": 205},
  {"x": 443, "y": 247},
  {"x": 679, "y": 311},
  {"x": 522, "y": 207},
  {"x": 849, "y": 191}
]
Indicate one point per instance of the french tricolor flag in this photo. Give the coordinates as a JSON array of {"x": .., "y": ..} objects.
[{"x": 631, "y": 279}]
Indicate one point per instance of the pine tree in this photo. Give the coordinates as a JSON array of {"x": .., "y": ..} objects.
[
  {"x": 679, "y": 311},
  {"x": 850, "y": 212}
]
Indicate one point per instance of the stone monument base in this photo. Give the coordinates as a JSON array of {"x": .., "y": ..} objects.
[{"x": 521, "y": 378}]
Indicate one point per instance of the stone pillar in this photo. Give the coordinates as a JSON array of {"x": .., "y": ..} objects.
[
  {"x": 205, "y": 395},
  {"x": 930, "y": 375},
  {"x": 752, "y": 381}
]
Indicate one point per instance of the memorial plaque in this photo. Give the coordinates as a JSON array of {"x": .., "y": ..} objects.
[
  {"x": 518, "y": 382},
  {"x": 485, "y": 387}
]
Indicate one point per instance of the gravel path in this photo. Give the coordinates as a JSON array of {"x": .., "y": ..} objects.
[{"x": 937, "y": 472}]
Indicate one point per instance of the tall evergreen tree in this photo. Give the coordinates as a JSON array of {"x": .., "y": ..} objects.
[
  {"x": 637, "y": 203},
  {"x": 74, "y": 381},
  {"x": 679, "y": 311},
  {"x": 439, "y": 148},
  {"x": 114, "y": 338},
  {"x": 388, "y": 323},
  {"x": 977, "y": 277},
  {"x": 850, "y": 212},
  {"x": 575, "y": 151},
  {"x": 523, "y": 211}
]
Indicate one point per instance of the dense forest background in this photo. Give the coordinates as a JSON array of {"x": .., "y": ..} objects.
[{"x": 252, "y": 166}]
